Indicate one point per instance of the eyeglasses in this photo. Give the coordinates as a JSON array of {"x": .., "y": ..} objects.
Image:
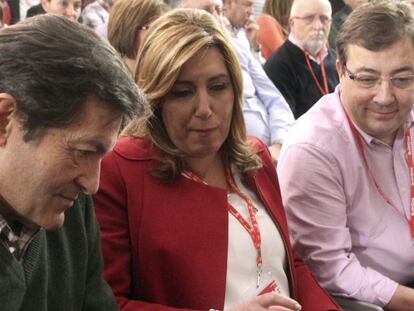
[
  {"x": 309, "y": 19},
  {"x": 368, "y": 81}
]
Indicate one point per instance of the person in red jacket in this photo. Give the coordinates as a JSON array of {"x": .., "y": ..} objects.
[
  {"x": 190, "y": 209},
  {"x": 273, "y": 25}
]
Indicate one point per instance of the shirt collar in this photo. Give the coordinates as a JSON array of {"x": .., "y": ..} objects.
[
  {"x": 16, "y": 244},
  {"x": 322, "y": 53}
]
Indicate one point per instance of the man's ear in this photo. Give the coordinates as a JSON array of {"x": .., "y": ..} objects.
[
  {"x": 339, "y": 68},
  {"x": 8, "y": 107},
  {"x": 45, "y": 5}
]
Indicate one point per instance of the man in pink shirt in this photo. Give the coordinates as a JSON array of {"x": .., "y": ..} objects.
[{"x": 345, "y": 165}]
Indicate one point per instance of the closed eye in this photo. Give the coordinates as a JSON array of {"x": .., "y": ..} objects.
[
  {"x": 180, "y": 93},
  {"x": 80, "y": 155},
  {"x": 366, "y": 79},
  {"x": 218, "y": 87},
  {"x": 403, "y": 79}
]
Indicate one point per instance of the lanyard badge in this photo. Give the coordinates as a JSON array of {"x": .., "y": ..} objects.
[{"x": 410, "y": 164}]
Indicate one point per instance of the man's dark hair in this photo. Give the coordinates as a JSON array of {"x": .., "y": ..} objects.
[
  {"x": 52, "y": 66},
  {"x": 376, "y": 26}
]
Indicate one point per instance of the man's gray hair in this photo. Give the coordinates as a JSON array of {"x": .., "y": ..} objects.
[
  {"x": 296, "y": 5},
  {"x": 46, "y": 65}
]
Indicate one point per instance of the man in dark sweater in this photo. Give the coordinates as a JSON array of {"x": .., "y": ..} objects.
[
  {"x": 303, "y": 68},
  {"x": 64, "y": 94}
]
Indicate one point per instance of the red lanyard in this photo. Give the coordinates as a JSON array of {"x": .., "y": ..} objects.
[
  {"x": 252, "y": 228},
  {"x": 325, "y": 89},
  {"x": 411, "y": 170},
  {"x": 410, "y": 164}
]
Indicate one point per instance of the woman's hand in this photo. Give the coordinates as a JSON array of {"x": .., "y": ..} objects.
[{"x": 269, "y": 301}]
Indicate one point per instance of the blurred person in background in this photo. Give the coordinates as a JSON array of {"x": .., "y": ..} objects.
[
  {"x": 339, "y": 17},
  {"x": 68, "y": 8},
  {"x": 6, "y": 15},
  {"x": 96, "y": 14},
  {"x": 273, "y": 25},
  {"x": 304, "y": 67},
  {"x": 128, "y": 25},
  {"x": 241, "y": 23}
]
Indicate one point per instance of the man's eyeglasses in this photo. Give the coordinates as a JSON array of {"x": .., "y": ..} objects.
[
  {"x": 368, "y": 81},
  {"x": 309, "y": 19}
]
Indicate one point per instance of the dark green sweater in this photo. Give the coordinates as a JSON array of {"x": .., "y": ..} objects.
[{"x": 61, "y": 269}]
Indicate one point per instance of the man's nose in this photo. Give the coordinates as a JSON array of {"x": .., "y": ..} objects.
[
  {"x": 384, "y": 92},
  {"x": 317, "y": 23},
  {"x": 88, "y": 178}
]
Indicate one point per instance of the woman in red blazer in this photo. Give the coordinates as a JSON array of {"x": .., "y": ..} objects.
[{"x": 190, "y": 210}]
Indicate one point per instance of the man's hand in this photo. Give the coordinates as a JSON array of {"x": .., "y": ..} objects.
[{"x": 403, "y": 300}]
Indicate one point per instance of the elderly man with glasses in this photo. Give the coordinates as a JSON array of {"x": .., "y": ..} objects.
[
  {"x": 303, "y": 68},
  {"x": 346, "y": 168}
]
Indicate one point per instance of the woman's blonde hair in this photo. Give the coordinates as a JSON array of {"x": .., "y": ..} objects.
[
  {"x": 172, "y": 41},
  {"x": 127, "y": 18},
  {"x": 280, "y": 10}
]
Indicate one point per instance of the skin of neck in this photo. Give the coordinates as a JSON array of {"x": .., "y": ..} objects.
[{"x": 210, "y": 169}]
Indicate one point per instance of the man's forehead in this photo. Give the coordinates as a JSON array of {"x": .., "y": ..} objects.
[
  {"x": 360, "y": 57},
  {"x": 312, "y": 6}
]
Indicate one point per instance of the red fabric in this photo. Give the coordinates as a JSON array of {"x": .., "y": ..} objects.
[
  {"x": 6, "y": 13},
  {"x": 165, "y": 244},
  {"x": 270, "y": 35}
]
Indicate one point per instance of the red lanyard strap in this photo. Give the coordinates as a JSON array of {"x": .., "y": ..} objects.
[
  {"x": 252, "y": 228},
  {"x": 325, "y": 89},
  {"x": 410, "y": 164},
  {"x": 407, "y": 138}
]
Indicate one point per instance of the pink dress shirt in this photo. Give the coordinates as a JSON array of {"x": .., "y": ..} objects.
[{"x": 356, "y": 244}]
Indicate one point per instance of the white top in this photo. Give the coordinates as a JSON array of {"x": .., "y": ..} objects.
[{"x": 241, "y": 258}]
